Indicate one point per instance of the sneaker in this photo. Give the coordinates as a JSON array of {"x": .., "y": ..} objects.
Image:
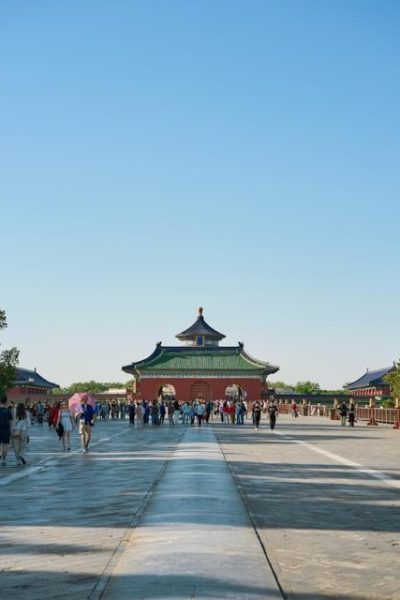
[
  {"x": 23, "y": 461},
  {"x": 68, "y": 449}
]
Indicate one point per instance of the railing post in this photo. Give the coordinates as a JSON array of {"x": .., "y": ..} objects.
[
  {"x": 397, "y": 422},
  {"x": 372, "y": 417}
]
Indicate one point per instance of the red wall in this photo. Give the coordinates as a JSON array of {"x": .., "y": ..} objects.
[{"x": 148, "y": 388}]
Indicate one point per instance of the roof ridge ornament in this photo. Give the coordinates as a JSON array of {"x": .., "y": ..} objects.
[{"x": 201, "y": 311}]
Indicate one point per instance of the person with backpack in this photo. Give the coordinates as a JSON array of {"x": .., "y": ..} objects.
[{"x": 5, "y": 429}]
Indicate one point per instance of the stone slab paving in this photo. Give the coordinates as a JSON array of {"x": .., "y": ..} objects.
[
  {"x": 195, "y": 539},
  {"x": 63, "y": 518},
  {"x": 326, "y": 503}
]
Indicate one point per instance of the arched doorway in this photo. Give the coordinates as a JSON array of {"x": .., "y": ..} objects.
[
  {"x": 200, "y": 390},
  {"x": 166, "y": 391},
  {"x": 235, "y": 392}
]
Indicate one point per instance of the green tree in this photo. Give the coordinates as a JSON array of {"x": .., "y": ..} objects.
[
  {"x": 95, "y": 387},
  {"x": 8, "y": 361},
  {"x": 393, "y": 379},
  {"x": 280, "y": 385},
  {"x": 307, "y": 387}
]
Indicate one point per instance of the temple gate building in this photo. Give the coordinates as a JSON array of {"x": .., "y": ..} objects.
[{"x": 200, "y": 368}]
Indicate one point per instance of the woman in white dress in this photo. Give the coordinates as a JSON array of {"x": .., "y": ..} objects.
[
  {"x": 66, "y": 420},
  {"x": 19, "y": 433}
]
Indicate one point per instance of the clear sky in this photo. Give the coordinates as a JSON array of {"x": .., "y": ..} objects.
[{"x": 157, "y": 156}]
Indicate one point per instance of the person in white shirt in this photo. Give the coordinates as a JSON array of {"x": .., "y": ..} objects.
[
  {"x": 200, "y": 410},
  {"x": 19, "y": 433}
]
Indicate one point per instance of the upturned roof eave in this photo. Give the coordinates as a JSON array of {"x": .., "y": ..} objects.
[
  {"x": 36, "y": 379},
  {"x": 357, "y": 384},
  {"x": 200, "y": 327}
]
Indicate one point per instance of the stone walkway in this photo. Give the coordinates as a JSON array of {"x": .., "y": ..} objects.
[{"x": 156, "y": 513}]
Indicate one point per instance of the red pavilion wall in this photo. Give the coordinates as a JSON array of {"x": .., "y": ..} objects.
[{"x": 148, "y": 388}]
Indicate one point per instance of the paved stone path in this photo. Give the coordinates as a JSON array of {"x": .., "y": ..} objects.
[
  {"x": 156, "y": 514},
  {"x": 331, "y": 528}
]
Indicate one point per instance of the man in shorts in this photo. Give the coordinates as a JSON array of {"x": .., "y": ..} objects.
[
  {"x": 86, "y": 422},
  {"x": 5, "y": 429}
]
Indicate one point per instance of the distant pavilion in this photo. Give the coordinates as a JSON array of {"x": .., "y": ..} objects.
[
  {"x": 200, "y": 368},
  {"x": 371, "y": 384},
  {"x": 30, "y": 383}
]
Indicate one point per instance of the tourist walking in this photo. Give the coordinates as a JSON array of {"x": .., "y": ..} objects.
[
  {"x": 256, "y": 414},
  {"x": 295, "y": 414},
  {"x": 186, "y": 413},
  {"x": 86, "y": 422},
  {"x": 139, "y": 414},
  {"x": 352, "y": 414},
  {"x": 5, "y": 429},
  {"x": 19, "y": 433},
  {"x": 170, "y": 412},
  {"x": 40, "y": 409},
  {"x": 146, "y": 414},
  {"x": 209, "y": 411},
  {"x": 200, "y": 410},
  {"x": 343, "y": 414},
  {"x": 132, "y": 414},
  {"x": 53, "y": 415},
  {"x": 162, "y": 412},
  {"x": 154, "y": 413},
  {"x": 272, "y": 413},
  {"x": 192, "y": 414},
  {"x": 66, "y": 420}
]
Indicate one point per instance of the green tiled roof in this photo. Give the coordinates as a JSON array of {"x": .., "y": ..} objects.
[{"x": 191, "y": 360}]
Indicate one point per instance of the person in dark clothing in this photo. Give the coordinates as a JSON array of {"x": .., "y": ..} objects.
[
  {"x": 162, "y": 412},
  {"x": 5, "y": 429},
  {"x": 273, "y": 413},
  {"x": 343, "y": 414},
  {"x": 256, "y": 413},
  {"x": 86, "y": 417},
  {"x": 352, "y": 414},
  {"x": 132, "y": 413}
]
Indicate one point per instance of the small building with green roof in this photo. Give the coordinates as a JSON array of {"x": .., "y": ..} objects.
[{"x": 200, "y": 368}]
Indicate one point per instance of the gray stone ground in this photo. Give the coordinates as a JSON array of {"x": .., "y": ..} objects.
[{"x": 324, "y": 500}]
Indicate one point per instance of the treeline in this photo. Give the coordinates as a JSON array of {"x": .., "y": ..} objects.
[
  {"x": 8, "y": 361},
  {"x": 302, "y": 387},
  {"x": 95, "y": 387}
]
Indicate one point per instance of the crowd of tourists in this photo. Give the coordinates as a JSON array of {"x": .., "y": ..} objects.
[
  {"x": 143, "y": 413},
  {"x": 16, "y": 421}
]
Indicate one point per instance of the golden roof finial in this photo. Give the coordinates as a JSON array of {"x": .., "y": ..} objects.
[{"x": 200, "y": 311}]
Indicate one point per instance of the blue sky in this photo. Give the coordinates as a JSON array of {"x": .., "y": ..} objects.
[{"x": 241, "y": 156}]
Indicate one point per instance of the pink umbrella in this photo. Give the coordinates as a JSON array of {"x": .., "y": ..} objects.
[{"x": 75, "y": 402}]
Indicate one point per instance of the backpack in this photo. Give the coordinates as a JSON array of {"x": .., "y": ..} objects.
[{"x": 5, "y": 417}]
